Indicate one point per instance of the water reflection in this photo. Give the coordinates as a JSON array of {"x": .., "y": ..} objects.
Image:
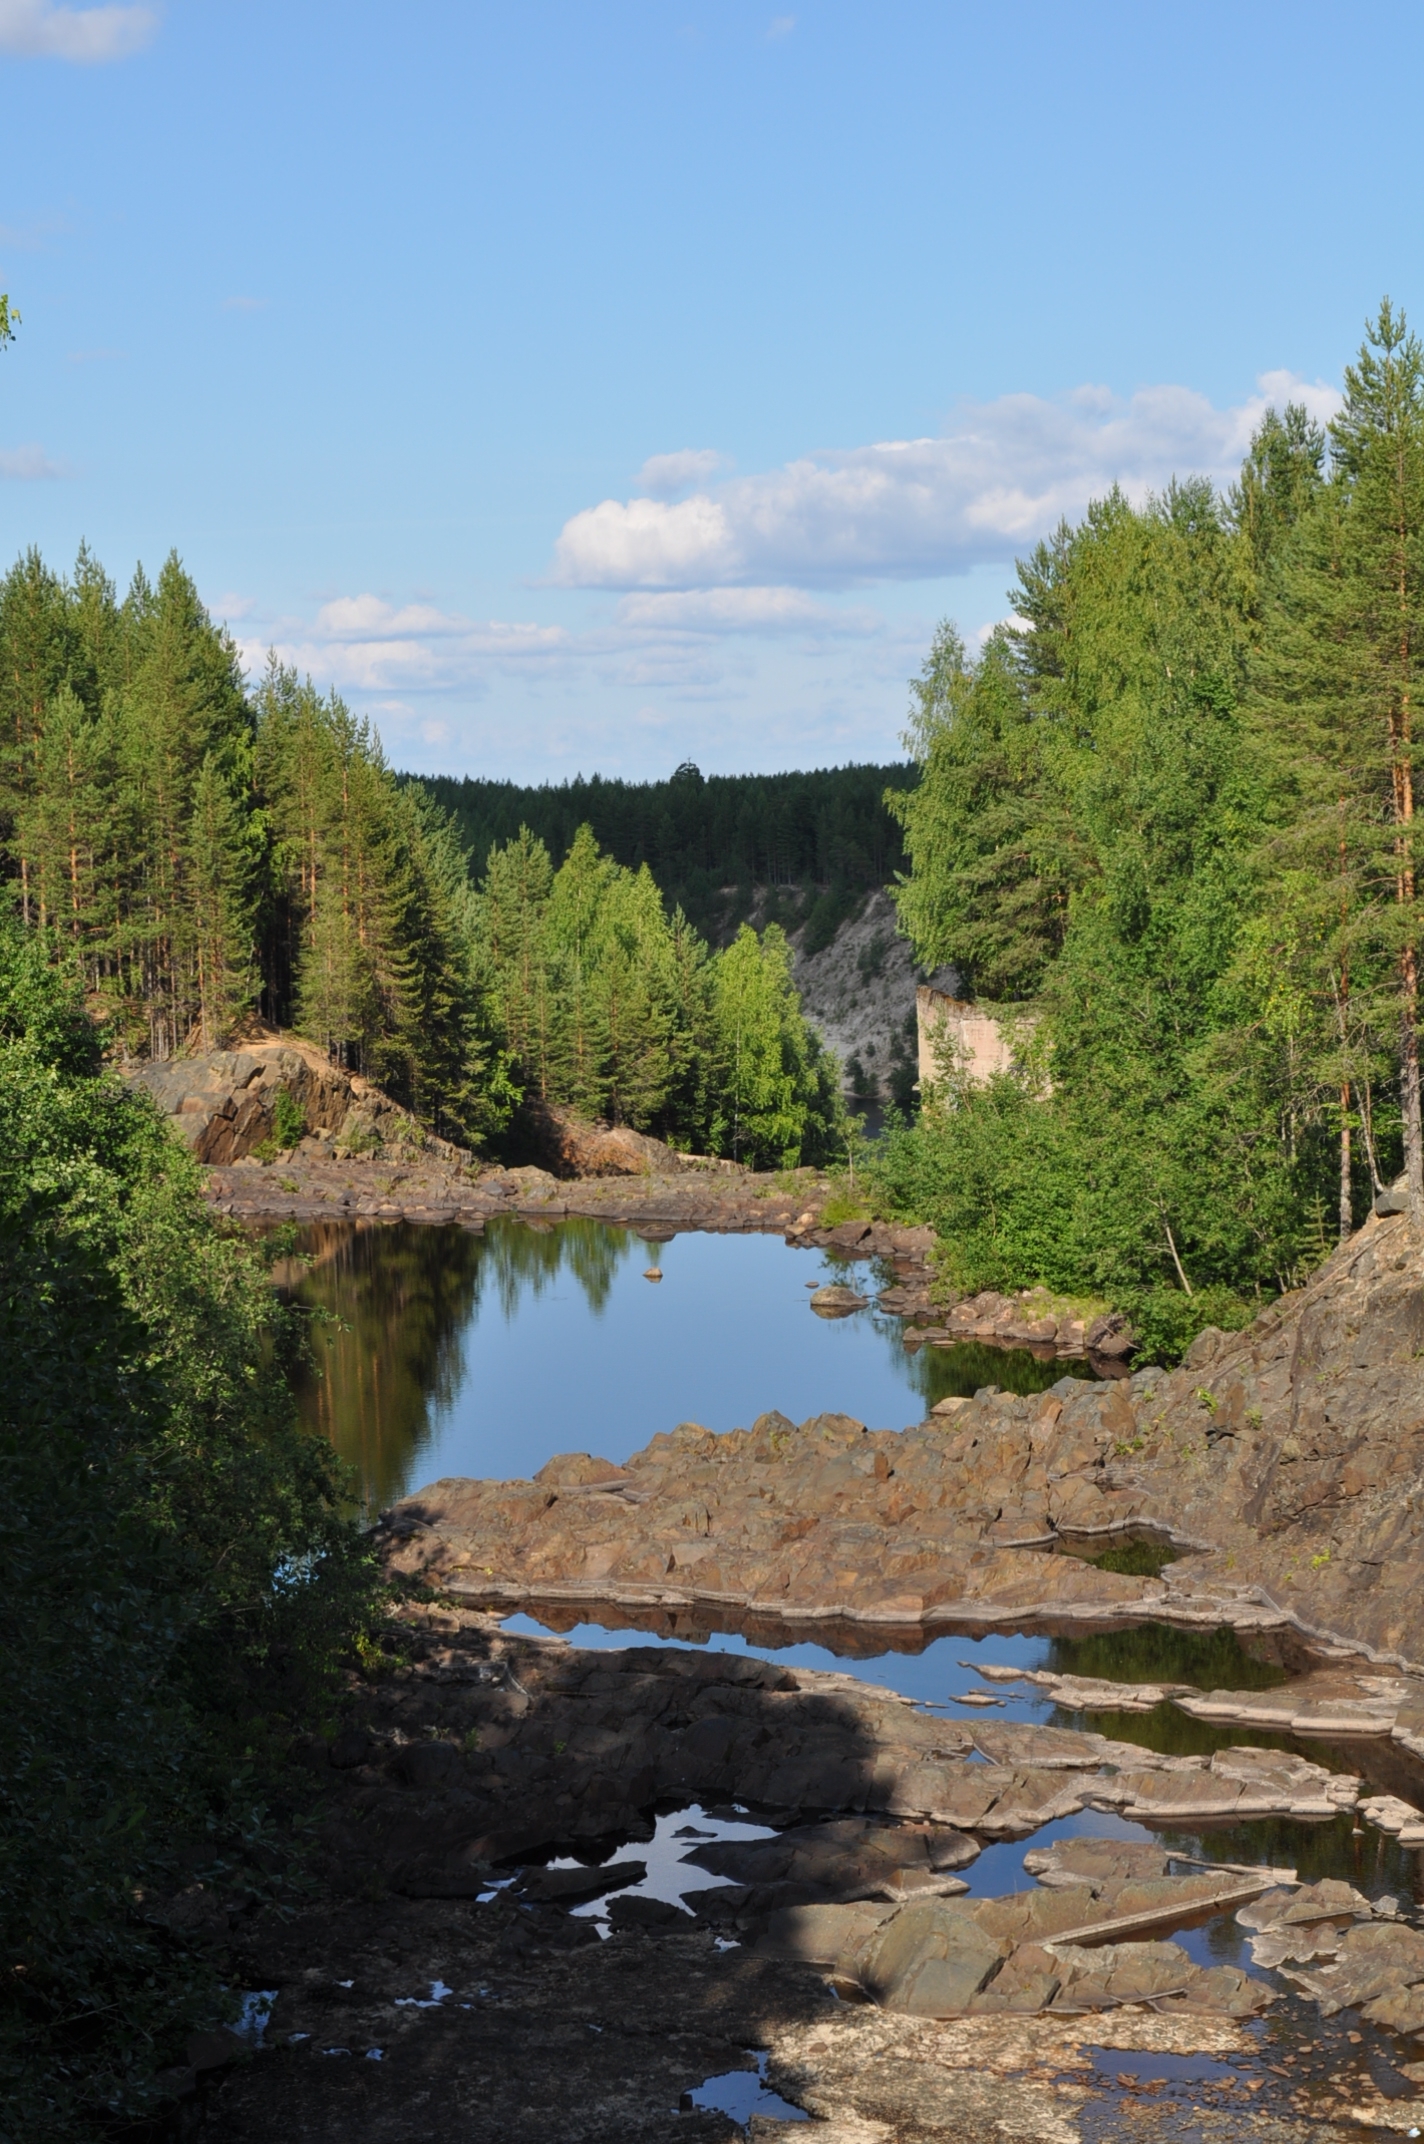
[
  {"x": 387, "y": 1349},
  {"x": 441, "y": 1351}
]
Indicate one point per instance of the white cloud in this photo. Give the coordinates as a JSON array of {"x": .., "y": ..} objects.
[
  {"x": 245, "y": 305},
  {"x": 1002, "y": 475},
  {"x": 741, "y": 610},
  {"x": 28, "y": 463},
  {"x": 230, "y": 606},
  {"x": 365, "y": 644},
  {"x": 781, "y": 26},
  {"x": 36, "y": 29},
  {"x": 663, "y": 476}
]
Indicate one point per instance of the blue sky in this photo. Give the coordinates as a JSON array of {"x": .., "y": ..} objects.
[{"x": 597, "y": 386}]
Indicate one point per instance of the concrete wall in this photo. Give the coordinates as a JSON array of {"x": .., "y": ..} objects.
[{"x": 980, "y": 1045}]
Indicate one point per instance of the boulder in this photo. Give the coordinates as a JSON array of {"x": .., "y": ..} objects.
[
  {"x": 836, "y": 1301},
  {"x": 929, "y": 1960},
  {"x": 221, "y": 1103},
  {"x": 571, "y": 1146},
  {"x": 656, "y": 1913},
  {"x": 821, "y": 1934},
  {"x": 574, "y": 1887},
  {"x": 428, "y": 1764}
]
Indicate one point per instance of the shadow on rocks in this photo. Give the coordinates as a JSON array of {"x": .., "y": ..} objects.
[{"x": 443, "y": 1981}]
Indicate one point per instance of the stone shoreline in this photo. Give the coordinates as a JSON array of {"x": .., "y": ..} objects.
[{"x": 710, "y": 1197}]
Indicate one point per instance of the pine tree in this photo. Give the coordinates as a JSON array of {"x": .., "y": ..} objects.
[
  {"x": 511, "y": 918},
  {"x": 36, "y": 656},
  {"x": 1340, "y": 675},
  {"x": 220, "y": 871}
]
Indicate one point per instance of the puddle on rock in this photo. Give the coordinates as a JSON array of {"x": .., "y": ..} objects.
[
  {"x": 739, "y": 2094},
  {"x": 670, "y": 1876},
  {"x": 1311, "y": 2066}
]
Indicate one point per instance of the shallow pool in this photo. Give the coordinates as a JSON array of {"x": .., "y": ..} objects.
[{"x": 438, "y": 1351}]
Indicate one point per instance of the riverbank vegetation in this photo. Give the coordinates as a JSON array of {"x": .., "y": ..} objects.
[
  {"x": 613, "y": 1008},
  {"x": 208, "y": 853},
  {"x": 1166, "y": 824},
  {"x": 181, "y": 1585}
]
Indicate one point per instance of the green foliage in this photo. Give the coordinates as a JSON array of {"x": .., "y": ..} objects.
[
  {"x": 776, "y": 1099},
  {"x": 289, "y": 1124},
  {"x": 179, "y": 1579},
  {"x": 289, "y": 1120},
  {"x": 706, "y": 838},
  {"x": 205, "y": 853},
  {"x": 373, "y": 934},
  {"x": 615, "y": 1009},
  {"x": 1166, "y": 815}
]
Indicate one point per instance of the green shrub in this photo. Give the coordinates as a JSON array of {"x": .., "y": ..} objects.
[{"x": 289, "y": 1120}]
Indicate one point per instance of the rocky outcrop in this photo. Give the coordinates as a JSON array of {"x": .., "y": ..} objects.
[
  {"x": 1285, "y": 1464},
  {"x": 570, "y": 1146},
  {"x": 444, "y": 1943},
  {"x": 223, "y": 1103}
]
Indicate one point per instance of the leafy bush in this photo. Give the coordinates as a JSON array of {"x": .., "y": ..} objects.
[
  {"x": 1084, "y": 1194},
  {"x": 289, "y": 1120},
  {"x": 180, "y": 1582}
]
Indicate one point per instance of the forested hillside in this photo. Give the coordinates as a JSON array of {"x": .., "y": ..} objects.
[
  {"x": 708, "y": 839},
  {"x": 1171, "y": 814},
  {"x": 206, "y": 853}
]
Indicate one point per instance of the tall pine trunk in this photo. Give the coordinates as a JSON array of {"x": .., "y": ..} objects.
[{"x": 1403, "y": 798}]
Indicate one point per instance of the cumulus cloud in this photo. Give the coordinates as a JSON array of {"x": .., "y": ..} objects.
[
  {"x": 363, "y": 644},
  {"x": 663, "y": 476},
  {"x": 36, "y": 29},
  {"x": 1001, "y": 476},
  {"x": 740, "y": 610},
  {"x": 28, "y": 463}
]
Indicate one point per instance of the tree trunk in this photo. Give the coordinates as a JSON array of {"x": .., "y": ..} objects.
[
  {"x": 1347, "y": 1217},
  {"x": 1409, "y": 1087}
]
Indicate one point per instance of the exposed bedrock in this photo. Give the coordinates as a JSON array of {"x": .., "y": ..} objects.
[
  {"x": 453, "y": 1945},
  {"x": 1284, "y": 1464}
]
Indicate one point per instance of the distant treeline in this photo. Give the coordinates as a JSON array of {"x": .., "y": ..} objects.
[{"x": 708, "y": 839}]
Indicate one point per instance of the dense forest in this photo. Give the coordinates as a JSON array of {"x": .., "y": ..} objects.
[
  {"x": 1168, "y": 819},
  {"x": 710, "y": 839},
  {"x": 206, "y": 853}
]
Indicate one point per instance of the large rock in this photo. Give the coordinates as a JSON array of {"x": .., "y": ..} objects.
[
  {"x": 571, "y": 1146},
  {"x": 930, "y": 1959},
  {"x": 222, "y": 1103}
]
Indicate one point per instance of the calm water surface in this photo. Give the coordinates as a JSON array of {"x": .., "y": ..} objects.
[
  {"x": 439, "y": 1352},
  {"x": 444, "y": 1352}
]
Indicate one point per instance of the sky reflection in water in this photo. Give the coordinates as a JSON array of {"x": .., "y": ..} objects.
[{"x": 485, "y": 1355}]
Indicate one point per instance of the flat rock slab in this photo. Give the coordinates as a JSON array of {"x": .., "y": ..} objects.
[{"x": 549, "y": 2032}]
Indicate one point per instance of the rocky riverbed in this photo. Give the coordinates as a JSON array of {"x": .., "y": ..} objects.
[
  {"x": 1279, "y": 1472},
  {"x": 487, "y": 1962}
]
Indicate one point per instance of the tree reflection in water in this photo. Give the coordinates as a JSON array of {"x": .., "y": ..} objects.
[
  {"x": 403, "y": 1393},
  {"x": 398, "y": 1302}
]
